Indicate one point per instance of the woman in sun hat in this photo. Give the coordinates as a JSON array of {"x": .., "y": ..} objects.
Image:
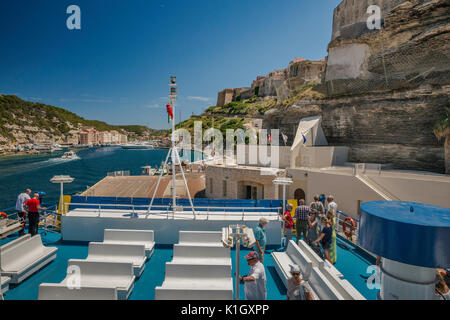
[{"x": 297, "y": 288}]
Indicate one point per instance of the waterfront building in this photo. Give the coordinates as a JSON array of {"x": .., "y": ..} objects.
[{"x": 318, "y": 168}]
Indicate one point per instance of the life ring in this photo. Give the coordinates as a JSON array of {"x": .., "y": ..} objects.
[
  {"x": 348, "y": 221},
  {"x": 3, "y": 215}
]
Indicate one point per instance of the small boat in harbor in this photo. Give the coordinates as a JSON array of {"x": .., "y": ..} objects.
[
  {"x": 138, "y": 146},
  {"x": 148, "y": 171},
  {"x": 69, "y": 155}
]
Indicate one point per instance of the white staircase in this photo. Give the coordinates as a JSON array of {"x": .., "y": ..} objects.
[{"x": 386, "y": 195}]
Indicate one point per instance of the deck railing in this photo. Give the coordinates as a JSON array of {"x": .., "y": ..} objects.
[
  {"x": 48, "y": 218},
  {"x": 341, "y": 220},
  {"x": 207, "y": 211}
]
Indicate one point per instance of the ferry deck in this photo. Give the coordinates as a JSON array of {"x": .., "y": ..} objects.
[{"x": 352, "y": 262}]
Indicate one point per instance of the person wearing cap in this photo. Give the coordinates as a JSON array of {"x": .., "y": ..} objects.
[
  {"x": 255, "y": 281},
  {"x": 260, "y": 237},
  {"x": 297, "y": 289}
]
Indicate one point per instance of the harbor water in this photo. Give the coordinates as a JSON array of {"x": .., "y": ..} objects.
[{"x": 20, "y": 172}]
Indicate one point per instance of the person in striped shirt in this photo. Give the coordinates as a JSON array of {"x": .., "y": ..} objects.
[{"x": 301, "y": 216}]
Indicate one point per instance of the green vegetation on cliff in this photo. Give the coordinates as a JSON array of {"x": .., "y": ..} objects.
[
  {"x": 249, "y": 107},
  {"x": 231, "y": 116},
  {"x": 57, "y": 121}
]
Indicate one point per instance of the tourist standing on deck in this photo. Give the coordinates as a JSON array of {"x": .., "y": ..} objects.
[
  {"x": 297, "y": 289},
  {"x": 288, "y": 223},
  {"x": 21, "y": 212},
  {"x": 313, "y": 227},
  {"x": 332, "y": 219},
  {"x": 33, "y": 214},
  {"x": 255, "y": 281},
  {"x": 260, "y": 237},
  {"x": 441, "y": 288},
  {"x": 325, "y": 238},
  {"x": 331, "y": 204},
  {"x": 301, "y": 216},
  {"x": 317, "y": 205}
]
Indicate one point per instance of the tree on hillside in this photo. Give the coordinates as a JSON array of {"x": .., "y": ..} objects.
[{"x": 442, "y": 130}]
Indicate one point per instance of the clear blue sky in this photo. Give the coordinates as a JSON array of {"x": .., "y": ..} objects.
[{"x": 117, "y": 67}]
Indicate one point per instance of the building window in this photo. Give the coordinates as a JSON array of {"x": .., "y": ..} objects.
[
  {"x": 262, "y": 195},
  {"x": 224, "y": 188},
  {"x": 210, "y": 185}
]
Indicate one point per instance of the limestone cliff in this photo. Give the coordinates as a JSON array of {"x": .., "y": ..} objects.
[
  {"x": 384, "y": 90},
  {"x": 278, "y": 83}
]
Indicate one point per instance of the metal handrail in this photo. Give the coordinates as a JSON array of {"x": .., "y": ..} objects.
[
  {"x": 340, "y": 220},
  {"x": 168, "y": 206},
  {"x": 206, "y": 212}
]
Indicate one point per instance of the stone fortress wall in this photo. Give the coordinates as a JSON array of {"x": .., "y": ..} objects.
[
  {"x": 350, "y": 17},
  {"x": 279, "y": 83}
]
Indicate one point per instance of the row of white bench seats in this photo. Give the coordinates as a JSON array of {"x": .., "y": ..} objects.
[
  {"x": 200, "y": 269},
  {"x": 24, "y": 256},
  {"x": 325, "y": 280},
  {"x": 4, "y": 284},
  {"x": 108, "y": 272}
]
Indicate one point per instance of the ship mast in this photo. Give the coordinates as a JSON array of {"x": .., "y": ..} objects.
[{"x": 173, "y": 96}]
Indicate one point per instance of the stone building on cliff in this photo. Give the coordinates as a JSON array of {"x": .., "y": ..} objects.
[
  {"x": 384, "y": 91},
  {"x": 277, "y": 84}
]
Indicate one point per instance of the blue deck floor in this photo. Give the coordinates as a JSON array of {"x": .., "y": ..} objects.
[{"x": 351, "y": 262}]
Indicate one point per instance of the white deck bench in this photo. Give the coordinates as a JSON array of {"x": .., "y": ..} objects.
[
  {"x": 292, "y": 255},
  {"x": 15, "y": 242},
  {"x": 318, "y": 261},
  {"x": 323, "y": 288},
  {"x": 129, "y": 253},
  {"x": 4, "y": 284},
  {"x": 141, "y": 237},
  {"x": 345, "y": 289},
  {"x": 24, "y": 256},
  {"x": 94, "y": 274},
  {"x": 200, "y": 238},
  {"x": 196, "y": 282},
  {"x": 185, "y": 254},
  {"x": 56, "y": 291},
  {"x": 9, "y": 226}
]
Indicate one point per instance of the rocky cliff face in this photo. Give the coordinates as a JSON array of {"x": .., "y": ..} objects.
[
  {"x": 385, "y": 90},
  {"x": 277, "y": 84},
  {"x": 379, "y": 128},
  {"x": 410, "y": 50}
]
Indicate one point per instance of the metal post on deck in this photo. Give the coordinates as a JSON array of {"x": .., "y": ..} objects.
[
  {"x": 238, "y": 256},
  {"x": 61, "y": 180},
  {"x": 173, "y": 96},
  {"x": 157, "y": 184}
]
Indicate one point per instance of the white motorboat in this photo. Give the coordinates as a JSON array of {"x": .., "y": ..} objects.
[
  {"x": 148, "y": 171},
  {"x": 69, "y": 155},
  {"x": 138, "y": 146}
]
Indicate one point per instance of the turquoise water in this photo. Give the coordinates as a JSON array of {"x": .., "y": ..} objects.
[
  {"x": 351, "y": 263},
  {"x": 35, "y": 172}
]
